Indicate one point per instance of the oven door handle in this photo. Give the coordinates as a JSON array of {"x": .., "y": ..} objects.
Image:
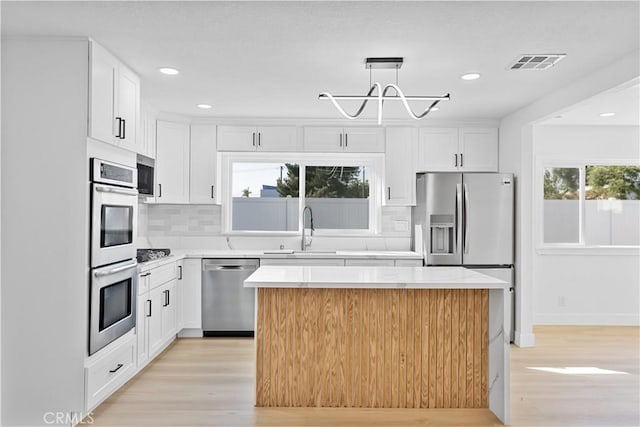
[
  {"x": 134, "y": 264},
  {"x": 126, "y": 191}
]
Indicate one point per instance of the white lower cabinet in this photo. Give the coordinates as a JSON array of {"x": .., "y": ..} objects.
[
  {"x": 190, "y": 296},
  {"x": 108, "y": 371},
  {"x": 156, "y": 324}
]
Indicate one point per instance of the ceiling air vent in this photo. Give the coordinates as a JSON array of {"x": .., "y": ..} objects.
[{"x": 536, "y": 62}]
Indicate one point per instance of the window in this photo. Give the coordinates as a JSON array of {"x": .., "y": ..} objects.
[
  {"x": 338, "y": 196},
  {"x": 591, "y": 205},
  {"x": 268, "y": 195},
  {"x": 260, "y": 199}
]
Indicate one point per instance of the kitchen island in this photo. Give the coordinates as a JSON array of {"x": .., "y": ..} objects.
[{"x": 381, "y": 337}]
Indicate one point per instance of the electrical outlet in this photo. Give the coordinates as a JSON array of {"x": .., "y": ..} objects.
[{"x": 562, "y": 301}]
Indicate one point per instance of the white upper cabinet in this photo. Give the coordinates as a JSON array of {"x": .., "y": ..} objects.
[
  {"x": 399, "y": 172},
  {"x": 114, "y": 100},
  {"x": 458, "y": 150},
  {"x": 147, "y": 137},
  {"x": 202, "y": 181},
  {"x": 337, "y": 140},
  {"x": 263, "y": 138},
  {"x": 479, "y": 149},
  {"x": 172, "y": 162}
]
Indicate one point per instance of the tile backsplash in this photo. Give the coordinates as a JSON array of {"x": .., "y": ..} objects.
[{"x": 200, "y": 226}]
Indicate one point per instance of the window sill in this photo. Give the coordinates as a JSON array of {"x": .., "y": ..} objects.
[{"x": 589, "y": 250}]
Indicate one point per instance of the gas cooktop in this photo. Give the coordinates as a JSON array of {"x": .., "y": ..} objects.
[{"x": 144, "y": 255}]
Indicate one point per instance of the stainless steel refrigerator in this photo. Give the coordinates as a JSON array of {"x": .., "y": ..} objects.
[{"x": 466, "y": 219}]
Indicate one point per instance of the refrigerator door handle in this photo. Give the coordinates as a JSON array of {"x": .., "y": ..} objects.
[
  {"x": 456, "y": 219},
  {"x": 466, "y": 219}
]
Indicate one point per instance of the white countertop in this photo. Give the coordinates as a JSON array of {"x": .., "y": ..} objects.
[
  {"x": 294, "y": 254},
  {"x": 371, "y": 277}
]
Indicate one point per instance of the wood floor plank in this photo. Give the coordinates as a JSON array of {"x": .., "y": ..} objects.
[
  {"x": 408, "y": 348},
  {"x": 462, "y": 351},
  {"x": 395, "y": 348},
  {"x": 314, "y": 337},
  {"x": 259, "y": 344},
  {"x": 378, "y": 347},
  {"x": 439, "y": 390}
]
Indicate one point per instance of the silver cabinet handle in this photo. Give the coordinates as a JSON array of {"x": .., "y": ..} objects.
[
  {"x": 179, "y": 272},
  {"x": 116, "y": 270},
  {"x": 456, "y": 159},
  {"x": 146, "y": 274},
  {"x": 460, "y": 159},
  {"x": 466, "y": 219},
  {"x": 346, "y": 140},
  {"x": 254, "y": 139},
  {"x": 149, "y": 301},
  {"x": 119, "y": 119},
  {"x": 212, "y": 196},
  {"x": 115, "y": 190},
  {"x": 159, "y": 190},
  {"x": 124, "y": 129},
  {"x": 388, "y": 193},
  {"x": 340, "y": 140},
  {"x": 259, "y": 135}
]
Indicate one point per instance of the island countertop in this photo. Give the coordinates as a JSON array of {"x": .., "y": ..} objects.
[{"x": 371, "y": 278}]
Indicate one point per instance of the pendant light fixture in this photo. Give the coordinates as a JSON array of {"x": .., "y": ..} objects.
[{"x": 380, "y": 94}]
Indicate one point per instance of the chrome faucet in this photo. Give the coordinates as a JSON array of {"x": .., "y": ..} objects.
[{"x": 304, "y": 244}]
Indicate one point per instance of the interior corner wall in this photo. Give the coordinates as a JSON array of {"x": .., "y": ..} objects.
[
  {"x": 516, "y": 155},
  {"x": 592, "y": 288}
]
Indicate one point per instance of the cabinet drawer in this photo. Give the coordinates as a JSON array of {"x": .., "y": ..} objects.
[
  {"x": 408, "y": 263},
  {"x": 369, "y": 262},
  {"x": 109, "y": 372},
  {"x": 162, "y": 275}
]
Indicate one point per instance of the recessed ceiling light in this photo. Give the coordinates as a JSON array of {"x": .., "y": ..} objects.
[
  {"x": 204, "y": 106},
  {"x": 607, "y": 114},
  {"x": 169, "y": 71},
  {"x": 470, "y": 76}
]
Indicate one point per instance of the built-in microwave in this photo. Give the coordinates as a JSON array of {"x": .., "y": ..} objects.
[{"x": 145, "y": 175}]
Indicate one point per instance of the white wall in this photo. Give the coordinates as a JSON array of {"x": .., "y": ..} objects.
[
  {"x": 516, "y": 156},
  {"x": 45, "y": 201},
  {"x": 589, "y": 287}
]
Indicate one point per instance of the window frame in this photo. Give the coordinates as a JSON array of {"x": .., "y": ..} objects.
[
  {"x": 544, "y": 162},
  {"x": 373, "y": 161}
]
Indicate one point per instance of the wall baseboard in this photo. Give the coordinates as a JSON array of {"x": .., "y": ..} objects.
[
  {"x": 522, "y": 339},
  {"x": 600, "y": 319}
]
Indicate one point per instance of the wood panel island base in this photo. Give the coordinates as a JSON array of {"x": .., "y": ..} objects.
[{"x": 381, "y": 337}]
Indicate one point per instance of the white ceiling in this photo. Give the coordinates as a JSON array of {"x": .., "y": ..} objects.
[{"x": 271, "y": 59}]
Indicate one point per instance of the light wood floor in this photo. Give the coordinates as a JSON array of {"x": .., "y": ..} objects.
[{"x": 209, "y": 382}]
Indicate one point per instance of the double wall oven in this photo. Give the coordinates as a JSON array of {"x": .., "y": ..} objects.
[{"x": 114, "y": 217}]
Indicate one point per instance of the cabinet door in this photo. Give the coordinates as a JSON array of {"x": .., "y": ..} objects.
[
  {"x": 237, "y": 138},
  {"x": 364, "y": 140},
  {"x": 128, "y": 108},
  {"x": 323, "y": 140},
  {"x": 190, "y": 294},
  {"x": 172, "y": 162},
  {"x": 169, "y": 310},
  {"x": 154, "y": 331},
  {"x": 147, "y": 138},
  {"x": 399, "y": 172},
  {"x": 142, "y": 310},
  {"x": 202, "y": 174},
  {"x": 438, "y": 150},
  {"x": 277, "y": 138},
  {"x": 479, "y": 149},
  {"x": 103, "y": 76}
]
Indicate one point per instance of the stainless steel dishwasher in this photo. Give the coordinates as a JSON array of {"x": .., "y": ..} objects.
[{"x": 228, "y": 308}]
